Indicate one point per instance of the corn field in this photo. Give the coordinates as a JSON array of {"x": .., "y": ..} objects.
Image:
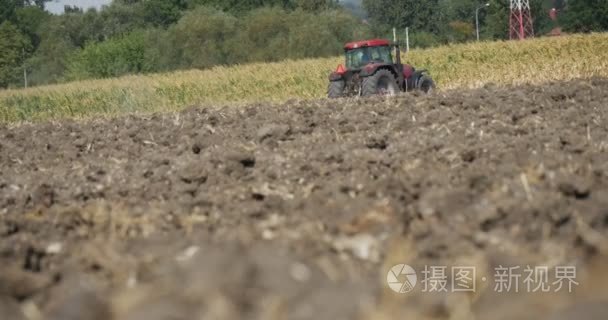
[{"x": 453, "y": 67}]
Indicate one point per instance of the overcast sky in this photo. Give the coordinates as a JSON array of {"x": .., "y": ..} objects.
[{"x": 56, "y": 6}]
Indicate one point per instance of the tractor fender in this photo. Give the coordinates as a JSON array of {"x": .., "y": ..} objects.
[
  {"x": 339, "y": 74},
  {"x": 370, "y": 70},
  {"x": 412, "y": 82},
  {"x": 408, "y": 71},
  {"x": 334, "y": 76},
  {"x": 417, "y": 75}
]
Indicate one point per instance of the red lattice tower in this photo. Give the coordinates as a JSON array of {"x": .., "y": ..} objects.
[{"x": 520, "y": 21}]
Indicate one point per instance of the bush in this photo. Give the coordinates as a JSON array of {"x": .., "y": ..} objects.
[
  {"x": 461, "y": 31},
  {"x": 423, "y": 40},
  {"x": 262, "y": 36},
  {"x": 199, "y": 38},
  {"x": 207, "y": 37},
  {"x": 111, "y": 58}
]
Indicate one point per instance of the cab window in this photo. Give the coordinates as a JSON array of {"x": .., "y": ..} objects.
[
  {"x": 382, "y": 54},
  {"x": 357, "y": 58}
]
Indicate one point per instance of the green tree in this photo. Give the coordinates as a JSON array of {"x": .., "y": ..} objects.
[
  {"x": 161, "y": 52},
  {"x": 415, "y": 14},
  {"x": 271, "y": 34},
  {"x": 496, "y": 22},
  {"x": 201, "y": 35},
  {"x": 135, "y": 36},
  {"x": 585, "y": 16},
  {"x": 459, "y": 10},
  {"x": 81, "y": 27},
  {"x": 49, "y": 61},
  {"x": 263, "y": 36},
  {"x": 424, "y": 39},
  {"x": 111, "y": 58},
  {"x": 8, "y": 8},
  {"x": 540, "y": 14},
  {"x": 163, "y": 12},
  {"x": 318, "y": 35},
  {"x": 355, "y": 7},
  {"x": 12, "y": 47},
  {"x": 122, "y": 18},
  {"x": 461, "y": 31},
  {"x": 457, "y": 19},
  {"x": 30, "y": 20},
  {"x": 243, "y": 6},
  {"x": 317, "y": 5}
]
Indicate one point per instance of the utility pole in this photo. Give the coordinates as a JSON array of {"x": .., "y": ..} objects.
[
  {"x": 407, "y": 39},
  {"x": 24, "y": 69},
  {"x": 477, "y": 18}
]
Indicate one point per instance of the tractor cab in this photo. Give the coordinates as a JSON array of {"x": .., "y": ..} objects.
[{"x": 359, "y": 54}]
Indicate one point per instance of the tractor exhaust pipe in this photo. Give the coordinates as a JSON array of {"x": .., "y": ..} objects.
[{"x": 397, "y": 47}]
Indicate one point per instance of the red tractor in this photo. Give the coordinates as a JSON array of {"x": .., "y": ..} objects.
[{"x": 371, "y": 68}]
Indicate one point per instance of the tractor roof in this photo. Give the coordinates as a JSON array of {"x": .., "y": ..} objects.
[{"x": 366, "y": 43}]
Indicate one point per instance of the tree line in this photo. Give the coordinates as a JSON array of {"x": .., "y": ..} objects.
[{"x": 141, "y": 36}]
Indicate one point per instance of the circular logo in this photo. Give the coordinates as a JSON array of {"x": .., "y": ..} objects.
[{"x": 406, "y": 282}]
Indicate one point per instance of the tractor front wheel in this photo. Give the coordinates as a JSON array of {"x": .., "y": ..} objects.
[
  {"x": 382, "y": 82},
  {"x": 335, "y": 89}
]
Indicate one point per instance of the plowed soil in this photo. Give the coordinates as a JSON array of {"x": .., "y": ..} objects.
[{"x": 298, "y": 211}]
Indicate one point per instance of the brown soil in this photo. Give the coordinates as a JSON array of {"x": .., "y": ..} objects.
[{"x": 298, "y": 211}]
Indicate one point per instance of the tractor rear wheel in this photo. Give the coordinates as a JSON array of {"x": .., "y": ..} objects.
[
  {"x": 426, "y": 84},
  {"x": 335, "y": 89},
  {"x": 382, "y": 82}
]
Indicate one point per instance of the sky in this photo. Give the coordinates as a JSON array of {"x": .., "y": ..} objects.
[{"x": 56, "y": 6}]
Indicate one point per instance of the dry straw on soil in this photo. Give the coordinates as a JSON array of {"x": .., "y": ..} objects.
[{"x": 456, "y": 66}]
